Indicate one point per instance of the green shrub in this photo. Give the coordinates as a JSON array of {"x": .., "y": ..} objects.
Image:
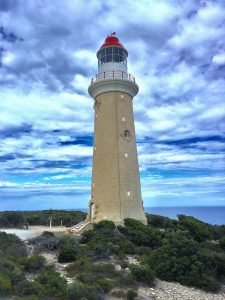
[
  {"x": 119, "y": 294},
  {"x": 5, "y": 285},
  {"x": 140, "y": 234},
  {"x": 12, "y": 219},
  {"x": 78, "y": 290},
  {"x": 126, "y": 280},
  {"x": 222, "y": 243},
  {"x": 143, "y": 274},
  {"x": 197, "y": 229},
  {"x": 161, "y": 222},
  {"x": 11, "y": 245},
  {"x": 214, "y": 261},
  {"x": 26, "y": 288},
  {"x": 131, "y": 295},
  {"x": 180, "y": 259},
  {"x": 67, "y": 254},
  {"x": 89, "y": 278},
  {"x": 105, "y": 285},
  {"x": 217, "y": 232},
  {"x": 105, "y": 226},
  {"x": 105, "y": 240},
  {"x": 35, "y": 263},
  {"x": 54, "y": 285},
  {"x": 83, "y": 264},
  {"x": 48, "y": 234},
  {"x": 103, "y": 250},
  {"x": 87, "y": 272},
  {"x": 32, "y": 297},
  {"x": 17, "y": 275}
]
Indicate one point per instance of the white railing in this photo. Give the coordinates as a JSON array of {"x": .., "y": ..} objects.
[{"x": 112, "y": 74}]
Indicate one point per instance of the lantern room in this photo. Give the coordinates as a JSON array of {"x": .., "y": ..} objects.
[{"x": 112, "y": 55}]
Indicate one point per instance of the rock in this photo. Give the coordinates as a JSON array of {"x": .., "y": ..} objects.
[
  {"x": 118, "y": 268},
  {"x": 127, "y": 271}
]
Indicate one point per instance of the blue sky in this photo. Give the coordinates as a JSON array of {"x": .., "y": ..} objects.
[{"x": 47, "y": 58}]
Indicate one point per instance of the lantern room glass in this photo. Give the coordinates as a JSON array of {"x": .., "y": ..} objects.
[{"x": 112, "y": 54}]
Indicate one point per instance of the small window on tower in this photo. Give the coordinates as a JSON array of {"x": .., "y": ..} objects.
[
  {"x": 128, "y": 194},
  {"x": 122, "y": 96},
  {"x": 126, "y": 134},
  {"x": 123, "y": 119},
  {"x": 126, "y": 154}
]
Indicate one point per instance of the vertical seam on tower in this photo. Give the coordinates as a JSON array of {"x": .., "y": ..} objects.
[{"x": 118, "y": 150}]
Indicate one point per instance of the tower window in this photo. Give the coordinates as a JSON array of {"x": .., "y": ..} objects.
[
  {"x": 126, "y": 134},
  {"x": 126, "y": 154},
  {"x": 122, "y": 96},
  {"x": 123, "y": 119},
  {"x": 128, "y": 194}
]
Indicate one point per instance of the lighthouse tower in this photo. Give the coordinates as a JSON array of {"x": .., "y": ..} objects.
[{"x": 116, "y": 190}]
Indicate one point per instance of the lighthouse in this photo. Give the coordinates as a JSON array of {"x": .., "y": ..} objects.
[{"x": 116, "y": 189}]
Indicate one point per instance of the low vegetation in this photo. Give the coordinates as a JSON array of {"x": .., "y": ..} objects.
[
  {"x": 186, "y": 250},
  {"x": 15, "y": 219}
]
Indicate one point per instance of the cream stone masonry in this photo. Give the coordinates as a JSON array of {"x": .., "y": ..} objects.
[{"x": 116, "y": 190}]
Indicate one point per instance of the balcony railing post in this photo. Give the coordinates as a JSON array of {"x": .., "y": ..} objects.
[{"x": 113, "y": 74}]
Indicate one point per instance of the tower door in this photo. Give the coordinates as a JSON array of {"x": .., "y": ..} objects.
[{"x": 92, "y": 210}]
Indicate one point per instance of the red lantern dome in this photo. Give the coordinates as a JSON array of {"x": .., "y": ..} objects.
[{"x": 112, "y": 41}]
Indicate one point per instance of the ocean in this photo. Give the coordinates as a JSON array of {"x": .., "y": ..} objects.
[{"x": 210, "y": 214}]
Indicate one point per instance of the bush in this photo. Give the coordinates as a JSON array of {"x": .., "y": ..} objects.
[
  {"x": 103, "y": 250},
  {"x": 131, "y": 295},
  {"x": 140, "y": 234},
  {"x": 104, "y": 284},
  {"x": 67, "y": 254},
  {"x": 35, "y": 263},
  {"x": 16, "y": 275},
  {"x": 161, "y": 222},
  {"x": 222, "y": 243},
  {"x": 83, "y": 264},
  {"x": 54, "y": 285},
  {"x": 89, "y": 278},
  {"x": 12, "y": 219},
  {"x": 105, "y": 226},
  {"x": 48, "y": 234},
  {"x": 180, "y": 259},
  {"x": 197, "y": 229},
  {"x": 5, "y": 285},
  {"x": 26, "y": 288},
  {"x": 214, "y": 261},
  {"x": 32, "y": 297},
  {"x": 119, "y": 294},
  {"x": 105, "y": 240},
  {"x": 11, "y": 245},
  {"x": 78, "y": 290},
  {"x": 143, "y": 274}
]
